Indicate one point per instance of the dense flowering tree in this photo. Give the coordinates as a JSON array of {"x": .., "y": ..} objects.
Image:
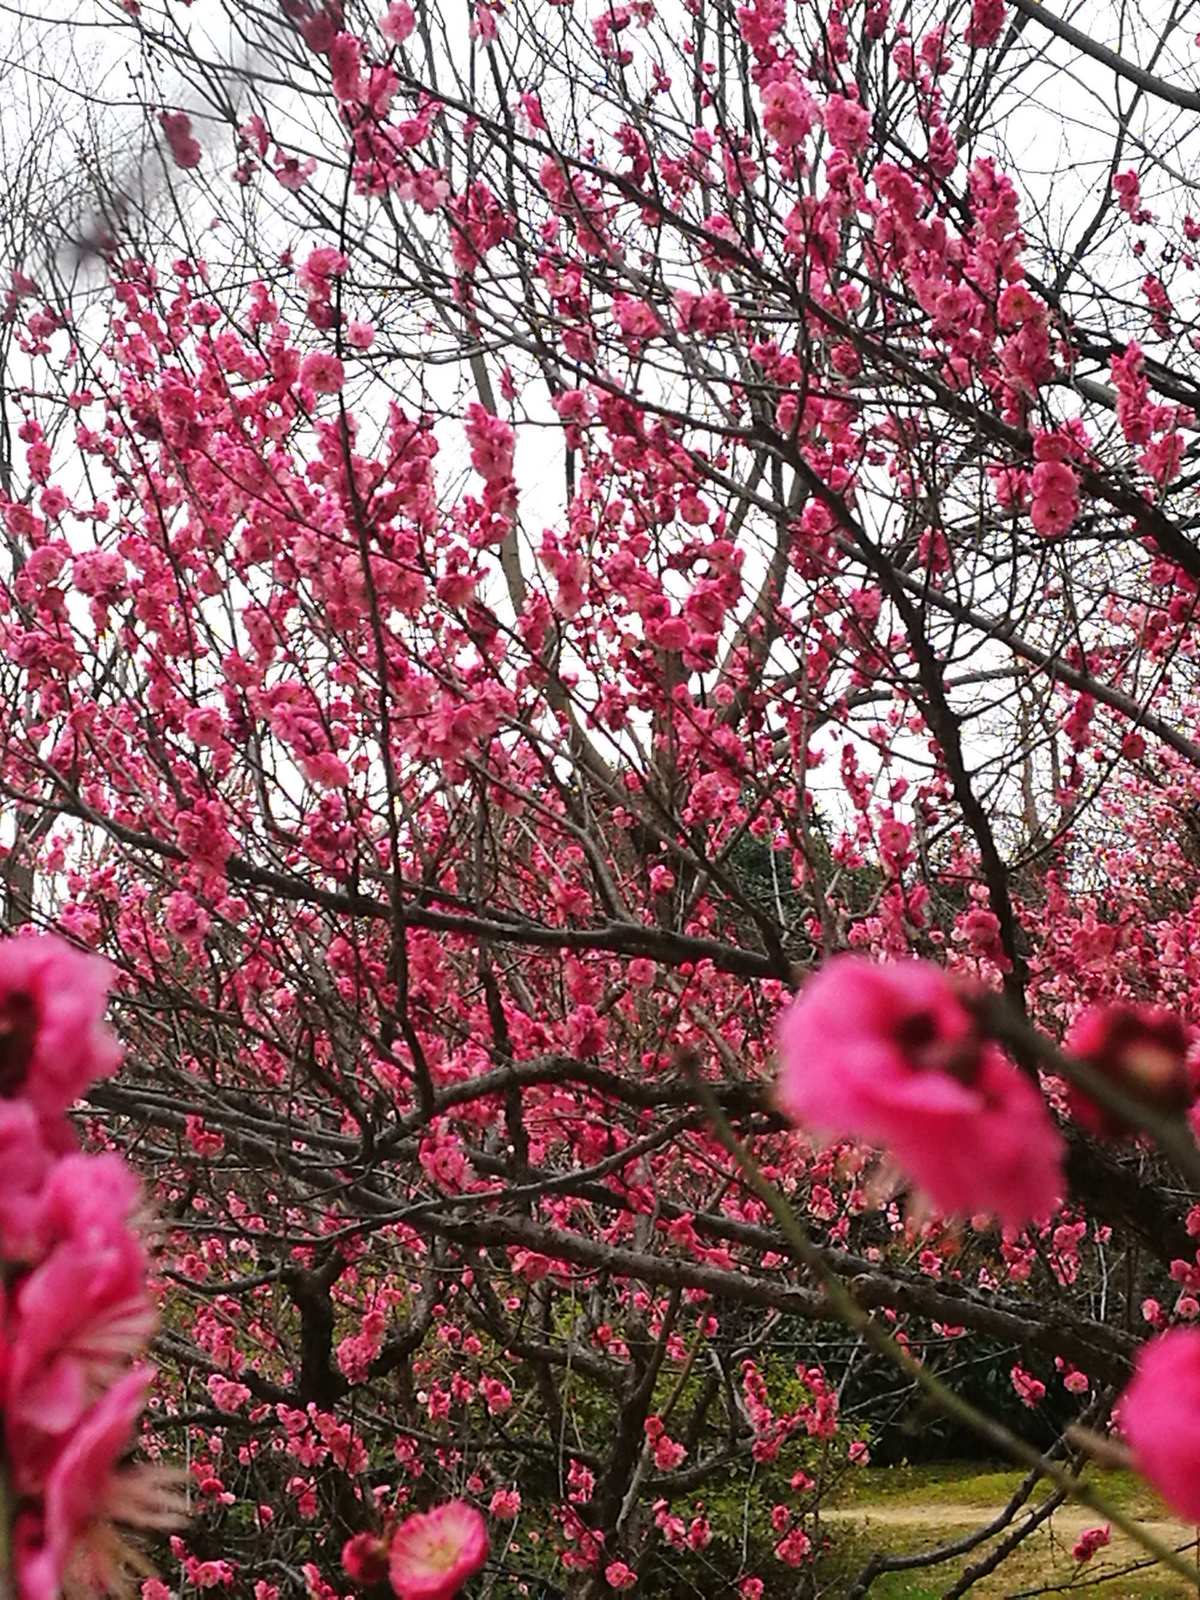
[{"x": 529, "y": 528}]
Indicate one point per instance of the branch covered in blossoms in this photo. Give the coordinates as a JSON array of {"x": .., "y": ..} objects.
[{"x": 527, "y": 534}]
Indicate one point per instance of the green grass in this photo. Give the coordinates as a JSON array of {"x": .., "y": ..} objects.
[{"x": 970, "y": 1484}]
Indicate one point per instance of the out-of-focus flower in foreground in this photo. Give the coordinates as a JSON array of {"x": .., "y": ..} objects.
[
  {"x": 1160, "y": 1418},
  {"x": 889, "y": 1054},
  {"x": 76, "y": 1315}
]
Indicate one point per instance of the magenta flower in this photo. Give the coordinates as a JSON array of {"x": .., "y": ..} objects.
[
  {"x": 435, "y": 1552},
  {"x": 365, "y": 1558},
  {"x": 1159, "y": 1412},
  {"x": 889, "y": 1054},
  {"x": 53, "y": 1042},
  {"x": 1055, "y": 497}
]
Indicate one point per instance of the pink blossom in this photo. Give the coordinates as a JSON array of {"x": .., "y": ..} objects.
[
  {"x": 205, "y": 725},
  {"x": 53, "y": 1042},
  {"x": 788, "y": 112},
  {"x": 987, "y": 20},
  {"x": 636, "y": 319},
  {"x": 434, "y": 1552},
  {"x": 847, "y": 123},
  {"x": 1017, "y": 305},
  {"x": 794, "y": 1548},
  {"x": 85, "y": 1198},
  {"x": 1030, "y": 1391},
  {"x": 668, "y": 1453},
  {"x": 1089, "y": 1541},
  {"x": 184, "y": 147},
  {"x": 1152, "y": 1312},
  {"x": 254, "y": 132},
  {"x": 1160, "y": 1418},
  {"x": 492, "y": 442},
  {"x": 345, "y": 65},
  {"x": 291, "y": 172},
  {"x": 619, "y": 1576},
  {"x": 361, "y": 334},
  {"x": 209, "y": 1574},
  {"x": 505, "y": 1504},
  {"x": 427, "y": 187},
  {"x": 226, "y": 1394},
  {"x": 99, "y": 573},
  {"x": 79, "y": 1319},
  {"x": 24, "y": 1163},
  {"x": 357, "y": 1351},
  {"x": 397, "y": 22},
  {"x": 1133, "y": 394},
  {"x": 890, "y": 1055},
  {"x": 321, "y": 264},
  {"x": 710, "y": 313},
  {"x": 1162, "y": 459},
  {"x": 186, "y": 918},
  {"x": 1127, "y": 189},
  {"x": 1055, "y": 497},
  {"x": 322, "y": 372},
  {"x": 365, "y": 1559}
]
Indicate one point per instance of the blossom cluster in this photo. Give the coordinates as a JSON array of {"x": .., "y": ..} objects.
[{"x": 75, "y": 1311}]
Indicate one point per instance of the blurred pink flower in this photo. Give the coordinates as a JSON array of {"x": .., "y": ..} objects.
[
  {"x": 889, "y": 1054},
  {"x": 53, "y": 1041},
  {"x": 1142, "y": 1049},
  {"x": 72, "y": 1543},
  {"x": 184, "y": 146},
  {"x": 78, "y": 1320},
  {"x": 365, "y": 1558},
  {"x": 435, "y": 1552},
  {"x": 1160, "y": 1418},
  {"x": 25, "y": 1160},
  {"x": 397, "y": 22},
  {"x": 86, "y": 1199}
]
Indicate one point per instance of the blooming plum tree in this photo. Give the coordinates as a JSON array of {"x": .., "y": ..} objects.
[{"x": 529, "y": 530}]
